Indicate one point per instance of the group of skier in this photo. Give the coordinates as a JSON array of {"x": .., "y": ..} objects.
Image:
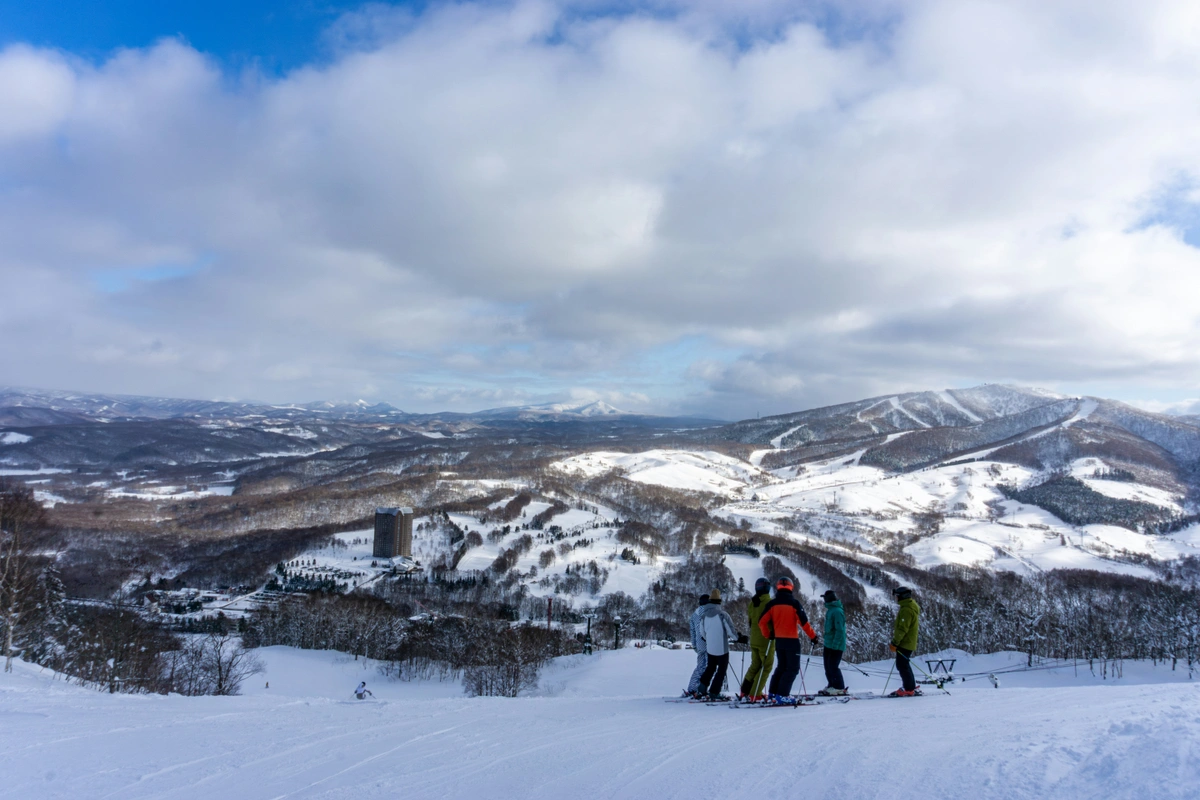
[{"x": 775, "y": 627}]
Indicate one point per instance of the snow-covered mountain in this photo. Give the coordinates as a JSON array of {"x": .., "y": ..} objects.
[
  {"x": 107, "y": 407},
  {"x": 1016, "y": 479},
  {"x": 888, "y": 414},
  {"x": 554, "y": 411}
]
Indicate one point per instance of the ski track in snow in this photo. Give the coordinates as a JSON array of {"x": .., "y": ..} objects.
[
  {"x": 601, "y": 730},
  {"x": 777, "y": 442},
  {"x": 952, "y": 401},
  {"x": 896, "y": 404},
  {"x": 1086, "y": 407}
]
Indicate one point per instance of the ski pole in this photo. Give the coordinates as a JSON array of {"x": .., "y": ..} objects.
[
  {"x": 803, "y": 688},
  {"x": 889, "y": 677},
  {"x": 856, "y": 667}
]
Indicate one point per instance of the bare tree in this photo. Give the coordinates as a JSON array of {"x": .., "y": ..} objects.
[
  {"x": 22, "y": 525},
  {"x": 226, "y": 662}
]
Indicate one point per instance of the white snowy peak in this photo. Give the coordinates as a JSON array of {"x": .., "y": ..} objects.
[{"x": 555, "y": 411}]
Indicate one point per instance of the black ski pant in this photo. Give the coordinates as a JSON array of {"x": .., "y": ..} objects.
[
  {"x": 833, "y": 673},
  {"x": 904, "y": 667},
  {"x": 713, "y": 678},
  {"x": 788, "y": 653}
]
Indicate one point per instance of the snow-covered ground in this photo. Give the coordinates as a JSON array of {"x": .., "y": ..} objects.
[
  {"x": 174, "y": 492},
  {"x": 675, "y": 469},
  {"x": 598, "y": 728},
  {"x": 590, "y": 535},
  {"x": 873, "y": 505}
]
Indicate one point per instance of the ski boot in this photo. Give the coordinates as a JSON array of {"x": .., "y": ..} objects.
[{"x": 829, "y": 691}]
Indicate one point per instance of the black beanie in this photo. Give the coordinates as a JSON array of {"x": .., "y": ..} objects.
[{"x": 830, "y": 596}]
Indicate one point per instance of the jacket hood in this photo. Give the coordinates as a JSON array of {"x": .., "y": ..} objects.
[
  {"x": 711, "y": 610},
  {"x": 834, "y": 604}
]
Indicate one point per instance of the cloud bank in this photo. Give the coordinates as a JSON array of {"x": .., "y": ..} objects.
[{"x": 706, "y": 208}]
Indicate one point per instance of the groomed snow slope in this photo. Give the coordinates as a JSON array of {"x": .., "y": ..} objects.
[{"x": 600, "y": 731}]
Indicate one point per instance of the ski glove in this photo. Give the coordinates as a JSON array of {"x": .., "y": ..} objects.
[
  {"x": 892, "y": 647},
  {"x": 816, "y": 642},
  {"x": 743, "y": 639}
]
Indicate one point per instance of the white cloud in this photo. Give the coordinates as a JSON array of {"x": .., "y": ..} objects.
[
  {"x": 35, "y": 93},
  {"x": 484, "y": 204}
]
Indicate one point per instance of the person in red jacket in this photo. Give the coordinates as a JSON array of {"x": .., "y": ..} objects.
[{"x": 782, "y": 622}]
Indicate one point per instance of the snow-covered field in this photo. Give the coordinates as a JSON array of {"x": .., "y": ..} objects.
[
  {"x": 174, "y": 492},
  {"x": 589, "y": 533},
  {"x": 598, "y": 728},
  {"x": 675, "y": 469},
  {"x": 867, "y": 505}
]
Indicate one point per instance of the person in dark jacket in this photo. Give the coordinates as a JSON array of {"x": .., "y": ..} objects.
[
  {"x": 904, "y": 640},
  {"x": 835, "y": 644},
  {"x": 781, "y": 622},
  {"x": 762, "y": 651}
]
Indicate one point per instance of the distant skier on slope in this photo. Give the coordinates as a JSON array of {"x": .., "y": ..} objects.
[
  {"x": 362, "y": 691},
  {"x": 762, "y": 651},
  {"x": 835, "y": 644},
  {"x": 717, "y": 629},
  {"x": 782, "y": 622},
  {"x": 904, "y": 640},
  {"x": 693, "y": 688}
]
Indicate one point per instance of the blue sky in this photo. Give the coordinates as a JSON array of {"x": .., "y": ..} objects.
[
  {"x": 719, "y": 207},
  {"x": 274, "y": 35}
]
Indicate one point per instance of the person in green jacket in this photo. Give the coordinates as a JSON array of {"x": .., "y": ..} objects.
[
  {"x": 762, "y": 651},
  {"x": 904, "y": 640},
  {"x": 835, "y": 644}
]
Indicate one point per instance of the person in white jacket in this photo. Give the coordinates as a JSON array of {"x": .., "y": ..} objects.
[
  {"x": 717, "y": 630},
  {"x": 362, "y": 691}
]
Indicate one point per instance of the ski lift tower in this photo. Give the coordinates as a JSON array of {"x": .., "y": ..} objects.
[{"x": 589, "y": 615}]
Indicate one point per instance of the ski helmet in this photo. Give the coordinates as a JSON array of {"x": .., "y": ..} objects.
[
  {"x": 762, "y": 586},
  {"x": 784, "y": 583}
]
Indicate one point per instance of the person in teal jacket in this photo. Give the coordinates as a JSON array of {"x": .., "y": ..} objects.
[{"x": 835, "y": 644}]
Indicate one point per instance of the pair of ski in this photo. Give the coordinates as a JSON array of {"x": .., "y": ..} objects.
[
  {"x": 792, "y": 702},
  {"x": 795, "y": 701},
  {"x": 703, "y": 701}
]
